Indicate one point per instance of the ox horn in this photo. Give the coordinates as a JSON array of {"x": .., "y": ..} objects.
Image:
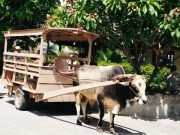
[{"x": 118, "y": 77}]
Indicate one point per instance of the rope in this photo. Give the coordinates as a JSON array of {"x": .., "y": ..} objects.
[
  {"x": 65, "y": 76},
  {"x": 133, "y": 91}
]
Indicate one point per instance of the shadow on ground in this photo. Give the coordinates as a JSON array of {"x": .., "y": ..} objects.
[
  {"x": 2, "y": 95},
  {"x": 55, "y": 110}
]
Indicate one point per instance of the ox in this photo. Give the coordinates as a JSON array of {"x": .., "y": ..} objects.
[{"x": 113, "y": 97}]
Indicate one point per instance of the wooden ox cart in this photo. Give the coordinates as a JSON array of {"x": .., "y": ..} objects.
[{"x": 49, "y": 83}]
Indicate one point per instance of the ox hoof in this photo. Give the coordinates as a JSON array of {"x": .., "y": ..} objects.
[
  {"x": 99, "y": 129},
  {"x": 79, "y": 122},
  {"x": 87, "y": 121},
  {"x": 112, "y": 130}
]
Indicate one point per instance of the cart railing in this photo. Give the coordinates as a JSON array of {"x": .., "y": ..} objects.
[
  {"x": 13, "y": 66},
  {"x": 67, "y": 57}
]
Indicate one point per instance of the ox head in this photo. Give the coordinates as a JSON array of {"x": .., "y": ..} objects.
[{"x": 136, "y": 84}]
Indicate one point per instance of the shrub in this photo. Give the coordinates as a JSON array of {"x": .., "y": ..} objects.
[
  {"x": 107, "y": 56},
  {"x": 104, "y": 63},
  {"x": 128, "y": 68},
  {"x": 158, "y": 85}
]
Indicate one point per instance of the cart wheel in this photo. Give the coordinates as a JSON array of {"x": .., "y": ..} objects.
[{"x": 21, "y": 99}]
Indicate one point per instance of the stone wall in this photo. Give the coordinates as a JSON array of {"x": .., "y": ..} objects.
[{"x": 158, "y": 106}]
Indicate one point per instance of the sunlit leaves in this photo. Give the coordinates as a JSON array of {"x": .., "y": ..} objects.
[
  {"x": 122, "y": 17},
  {"x": 152, "y": 10},
  {"x": 24, "y": 14},
  {"x": 114, "y": 5},
  {"x": 144, "y": 8},
  {"x": 81, "y": 12},
  {"x": 171, "y": 23}
]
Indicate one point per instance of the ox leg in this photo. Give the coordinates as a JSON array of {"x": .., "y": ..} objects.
[
  {"x": 101, "y": 115},
  {"x": 78, "y": 108},
  {"x": 112, "y": 129},
  {"x": 83, "y": 106}
]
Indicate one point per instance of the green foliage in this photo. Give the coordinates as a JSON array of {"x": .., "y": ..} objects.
[
  {"x": 74, "y": 49},
  {"x": 105, "y": 63},
  {"x": 81, "y": 12},
  {"x": 124, "y": 24},
  {"x": 61, "y": 53},
  {"x": 128, "y": 68},
  {"x": 53, "y": 49},
  {"x": 147, "y": 70},
  {"x": 24, "y": 14},
  {"x": 100, "y": 56},
  {"x": 159, "y": 82},
  {"x": 107, "y": 56},
  {"x": 144, "y": 16}
]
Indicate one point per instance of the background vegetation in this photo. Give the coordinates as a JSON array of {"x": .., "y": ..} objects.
[
  {"x": 133, "y": 27},
  {"x": 23, "y": 14},
  {"x": 128, "y": 28},
  {"x": 158, "y": 85}
]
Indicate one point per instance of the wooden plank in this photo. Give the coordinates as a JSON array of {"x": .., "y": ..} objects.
[
  {"x": 29, "y": 90},
  {"x": 22, "y": 54},
  {"x": 72, "y": 97},
  {"x": 26, "y": 32},
  {"x": 20, "y": 71},
  {"x": 51, "y": 31},
  {"x": 66, "y": 98},
  {"x": 23, "y": 63},
  {"x": 23, "y": 67},
  {"x": 55, "y": 99},
  {"x": 54, "y": 79},
  {"x": 21, "y": 83},
  {"x": 63, "y": 98},
  {"x": 67, "y": 57},
  {"x": 42, "y": 88},
  {"x": 34, "y": 69},
  {"x": 58, "y": 92},
  {"x": 46, "y": 72},
  {"x": 68, "y": 37}
]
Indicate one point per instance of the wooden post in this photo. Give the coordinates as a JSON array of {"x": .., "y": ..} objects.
[
  {"x": 4, "y": 57},
  {"x": 90, "y": 39},
  {"x": 41, "y": 50},
  {"x": 5, "y": 44},
  {"x": 89, "y": 53},
  {"x": 47, "y": 50},
  {"x": 26, "y": 69}
]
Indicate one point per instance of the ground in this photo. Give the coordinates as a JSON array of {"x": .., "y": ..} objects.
[{"x": 60, "y": 119}]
